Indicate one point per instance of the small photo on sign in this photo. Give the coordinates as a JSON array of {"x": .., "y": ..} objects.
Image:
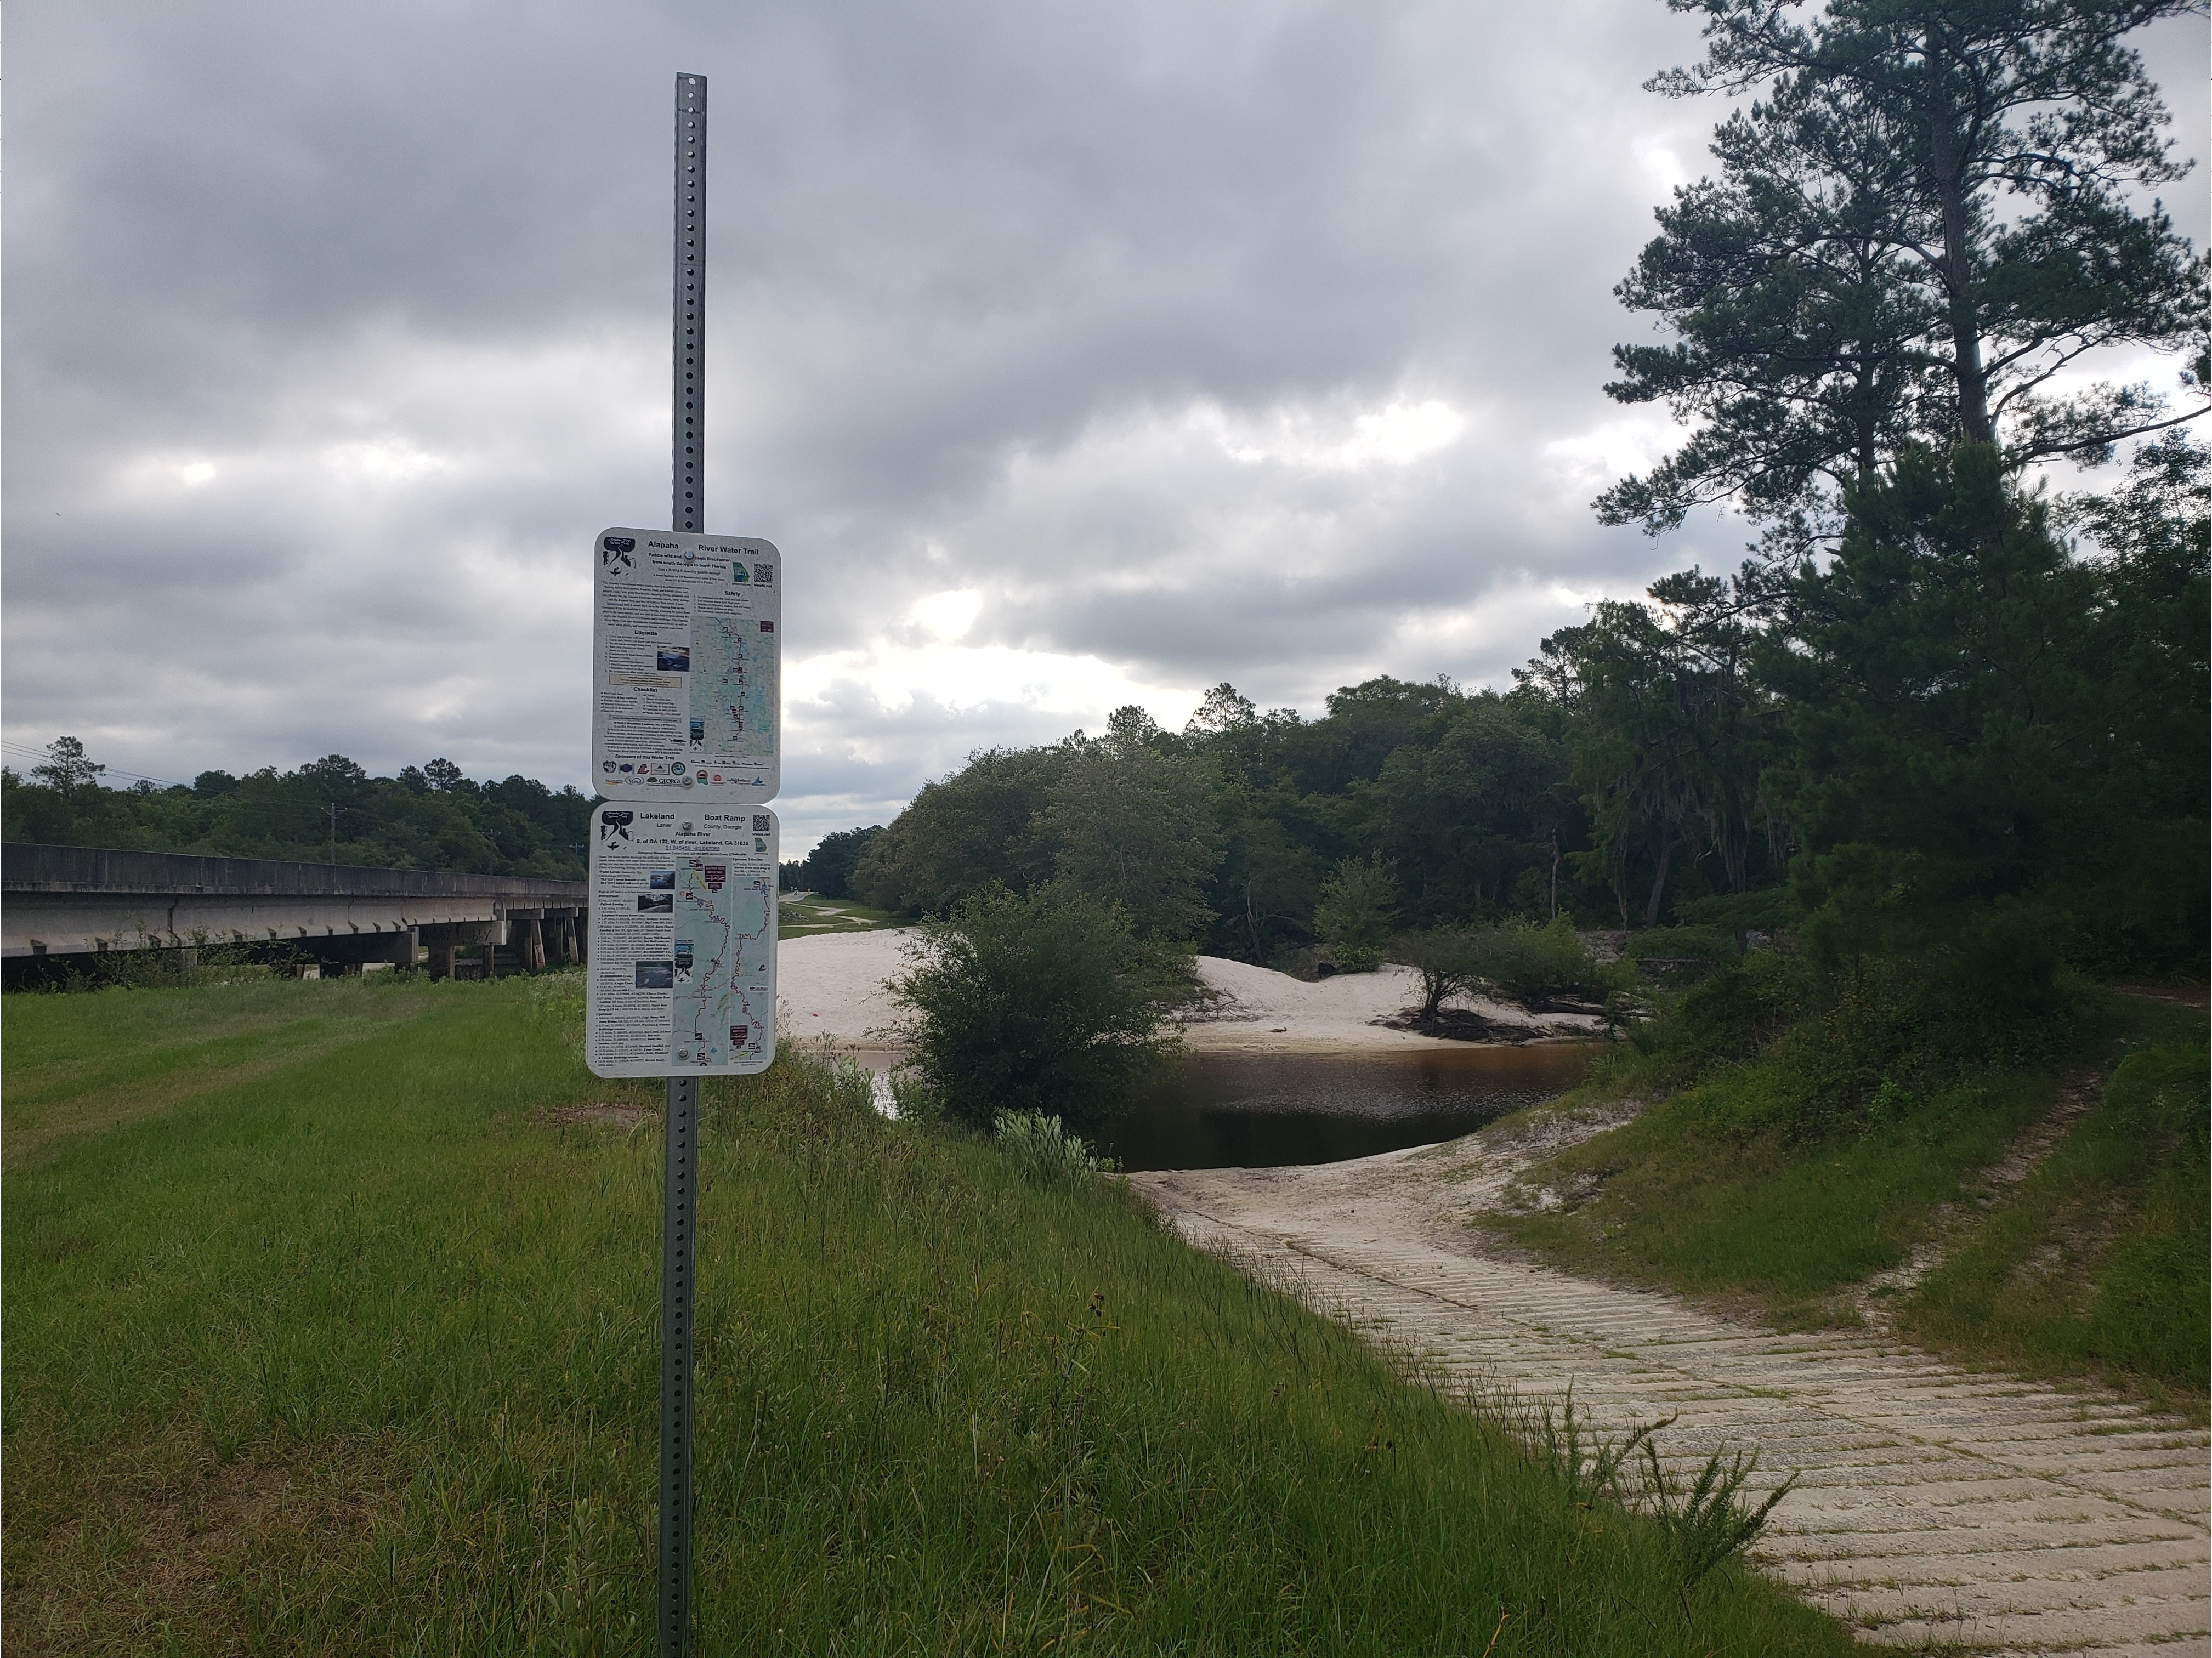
[
  {"x": 656, "y": 903},
  {"x": 698, "y": 733},
  {"x": 683, "y": 961},
  {"x": 662, "y": 880},
  {"x": 656, "y": 975},
  {"x": 673, "y": 659}
]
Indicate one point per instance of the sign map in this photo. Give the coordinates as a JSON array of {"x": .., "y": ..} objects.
[
  {"x": 681, "y": 977},
  {"x": 686, "y": 666}
]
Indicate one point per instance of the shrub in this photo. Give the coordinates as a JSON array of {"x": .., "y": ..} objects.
[
  {"x": 1040, "y": 1001},
  {"x": 1523, "y": 960},
  {"x": 1044, "y": 1152},
  {"x": 1353, "y": 912},
  {"x": 1519, "y": 960},
  {"x": 913, "y": 1099},
  {"x": 1710, "y": 1522},
  {"x": 1732, "y": 1014}
]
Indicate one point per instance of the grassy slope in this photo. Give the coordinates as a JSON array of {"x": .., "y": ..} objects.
[
  {"x": 2101, "y": 1261},
  {"x": 1703, "y": 1194},
  {"x": 1681, "y": 1197},
  {"x": 355, "y": 1350}
]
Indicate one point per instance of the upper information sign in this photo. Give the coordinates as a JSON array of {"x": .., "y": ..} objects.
[{"x": 686, "y": 667}]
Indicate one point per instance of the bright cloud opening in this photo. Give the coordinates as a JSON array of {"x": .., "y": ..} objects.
[
  {"x": 1396, "y": 435},
  {"x": 948, "y": 616}
]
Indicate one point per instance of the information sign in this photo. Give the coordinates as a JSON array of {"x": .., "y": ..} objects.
[
  {"x": 682, "y": 980},
  {"x": 686, "y": 651}
]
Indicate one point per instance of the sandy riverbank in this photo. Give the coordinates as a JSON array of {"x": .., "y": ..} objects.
[{"x": 832, "y": 986}]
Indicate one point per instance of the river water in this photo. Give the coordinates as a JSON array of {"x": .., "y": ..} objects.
[{"x": 1264, "y": 1110}]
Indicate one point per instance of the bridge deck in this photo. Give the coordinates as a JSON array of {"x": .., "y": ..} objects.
[{"x": 59, "y": 901}]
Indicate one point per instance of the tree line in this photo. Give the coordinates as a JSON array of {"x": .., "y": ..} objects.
[
  {"x": 328, "y": 810},
  {"x": 1959, "y": 713}
]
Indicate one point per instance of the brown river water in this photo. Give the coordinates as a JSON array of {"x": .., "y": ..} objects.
[{"x": 1267, "y": 1110}]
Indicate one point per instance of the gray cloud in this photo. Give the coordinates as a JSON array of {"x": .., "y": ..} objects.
[{"x": 1070, "y": 354}]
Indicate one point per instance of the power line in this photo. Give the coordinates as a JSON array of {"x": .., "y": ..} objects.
[{"x": 41, "y": 754}]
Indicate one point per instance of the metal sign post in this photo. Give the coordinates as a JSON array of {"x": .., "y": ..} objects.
[
  {"x": 677, "y": 1254},
  {"x": 686, "y": 735},
  {"x": 688, "y": 428},
  {"x": 687, "y": 436}
]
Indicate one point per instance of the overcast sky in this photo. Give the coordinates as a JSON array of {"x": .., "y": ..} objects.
[{"x": 1073, "y": 355}]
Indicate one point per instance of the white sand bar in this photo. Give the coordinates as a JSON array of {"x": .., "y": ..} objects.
[{"x": 831, "y": 986}]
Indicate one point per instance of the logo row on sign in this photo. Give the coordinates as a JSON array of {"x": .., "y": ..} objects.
[{"x": 618, "y": 557}]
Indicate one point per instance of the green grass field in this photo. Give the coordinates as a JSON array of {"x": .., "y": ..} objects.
[
  {"x": 330, "y": 1326},
  {"x": 2094, "y": 1266}
]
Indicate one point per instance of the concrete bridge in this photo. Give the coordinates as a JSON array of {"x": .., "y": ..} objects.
[{"x": 87, "y": 900}]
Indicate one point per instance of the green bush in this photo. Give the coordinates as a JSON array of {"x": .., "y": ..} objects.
[
  {"x": 1519, "y": 960},
  {"x": 1732, "y": 1014},
  {"x": 1856, "y": 1042},
  {"x": 1043, "y": 1150},
  {"x": 913, "y": 1099},
  {"x": 1354, "y": 911},
  {"x": 1522, "y": 959},
  {"x": 1040, "y": 1001}
]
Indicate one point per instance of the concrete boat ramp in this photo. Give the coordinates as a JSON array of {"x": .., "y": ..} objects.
[{"x": 1935, "y": 1506}]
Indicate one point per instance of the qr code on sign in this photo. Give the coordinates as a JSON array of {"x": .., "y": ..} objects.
[
  {"x": 764, "y": 575},
  {"x": 760, "y": 822}
]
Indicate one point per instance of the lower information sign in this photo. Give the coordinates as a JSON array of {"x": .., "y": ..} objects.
[{"x": 682, "y": 981}]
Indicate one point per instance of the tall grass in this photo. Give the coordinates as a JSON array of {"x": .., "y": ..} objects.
[{"x": 356, "y": 1350}]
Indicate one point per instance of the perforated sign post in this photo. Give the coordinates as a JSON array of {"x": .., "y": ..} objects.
[{"x": 686, "y": 724}]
